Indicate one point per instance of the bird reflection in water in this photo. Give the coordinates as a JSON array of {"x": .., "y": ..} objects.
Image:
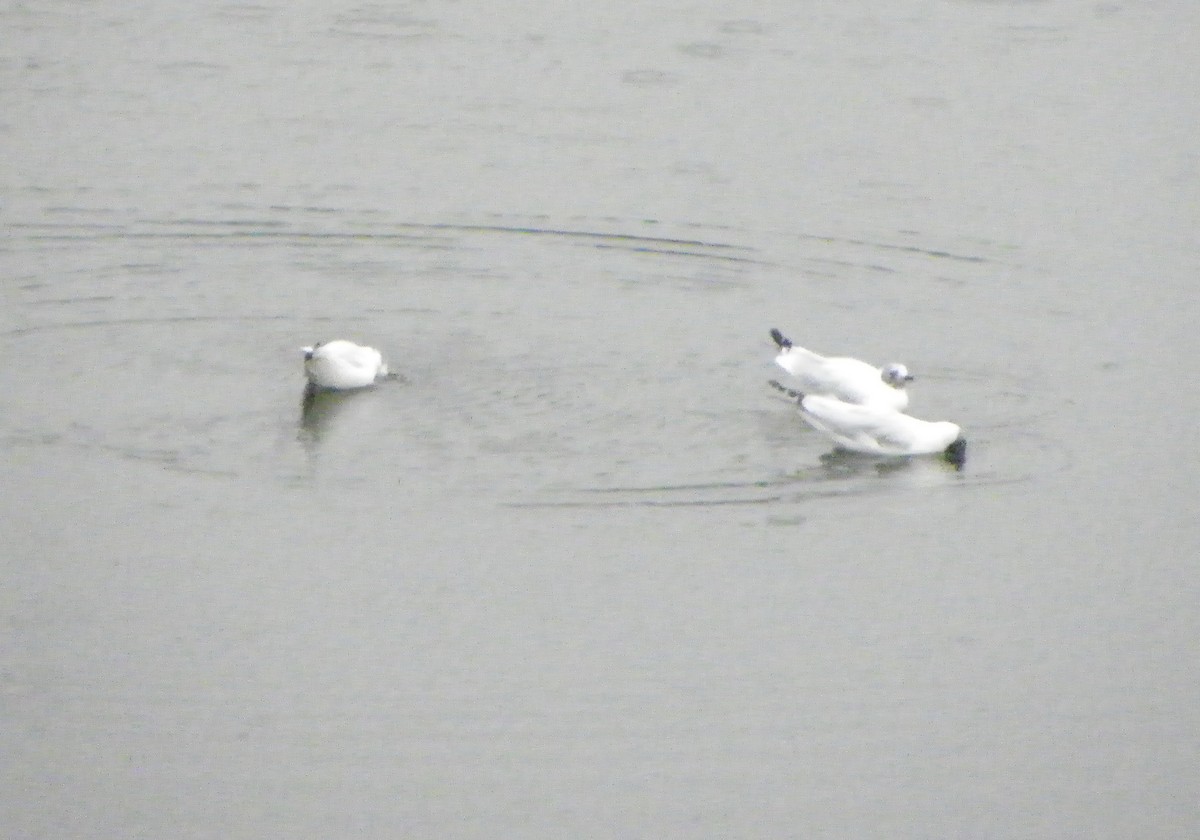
[
  {"x": 319, "y": 408},
  {"x": 842, "y": 463}
]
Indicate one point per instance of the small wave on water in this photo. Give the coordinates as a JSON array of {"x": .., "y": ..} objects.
[
  {"x": 836, "y": 475},
  {"x": 174, "y": 341},
  {"x": 1007, "y": 445}
]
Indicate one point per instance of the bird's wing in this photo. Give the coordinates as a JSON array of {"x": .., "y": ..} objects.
[
  {"x": 803, "y": 364},
  {"x": 866, "y": 428},
  {"x": 856, "y": 381},
  {"x": 850, "y": 380},
  {"x": 894, "y": 438},
  {"x": 356, "y": 356},
  {"x": 842, "y": 415}
]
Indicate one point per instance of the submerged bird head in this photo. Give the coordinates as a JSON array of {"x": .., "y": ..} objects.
[
  {"x": 895, "y": 374},
  {"x": 956, "y": 452}
]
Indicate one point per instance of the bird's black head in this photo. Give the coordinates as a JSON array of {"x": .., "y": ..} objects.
[
  {"x": 780, "y": 340},
  {"x": 956, "y": 452}
]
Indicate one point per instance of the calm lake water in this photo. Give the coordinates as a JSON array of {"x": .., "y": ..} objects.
[{"x": 579, "y": 572}]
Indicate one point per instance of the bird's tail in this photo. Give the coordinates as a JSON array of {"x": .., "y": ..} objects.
[
  {"x": 796, "y": 395},
  {"x": 782, "y": 341}
]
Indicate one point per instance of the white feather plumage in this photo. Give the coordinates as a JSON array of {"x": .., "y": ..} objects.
[
  {"x": 849, "y": 380},
  {"x": 342, "y": 365}
]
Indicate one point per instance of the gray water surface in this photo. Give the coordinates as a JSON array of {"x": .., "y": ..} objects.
[{"x": 578, "y": 572}]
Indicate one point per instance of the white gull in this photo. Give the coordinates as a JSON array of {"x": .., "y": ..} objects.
[
  {"x": 849, "y": 380},
  {"x": 342, "y": 365},
  {"x": 876, "y": 430}
]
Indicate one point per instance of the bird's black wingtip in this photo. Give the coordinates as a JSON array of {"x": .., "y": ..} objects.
[
  {"x": 796, "y": 395},
  {"x": 781, "y": 341}
]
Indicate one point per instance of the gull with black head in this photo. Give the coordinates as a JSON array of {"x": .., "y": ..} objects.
[
  {"x": 849, "y": 380},
  {"x": 877, "y": 430}
]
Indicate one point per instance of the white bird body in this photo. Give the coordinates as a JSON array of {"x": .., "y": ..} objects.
[
  {"x": 342, "y": 365},
  {"x": 877, "y": 430},
  {"x": 849, "y": 380}
]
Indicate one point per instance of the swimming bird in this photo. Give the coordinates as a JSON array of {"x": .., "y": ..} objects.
[
  {"x": 877, "y": 430},
  {"x": 849, "y": 380},
  {"x": 341, "y": 365}
]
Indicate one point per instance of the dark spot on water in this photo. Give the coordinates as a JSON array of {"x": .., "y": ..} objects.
[
  {"x": 702, "y": 50},
  {"x": 649, "y": 78}
]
